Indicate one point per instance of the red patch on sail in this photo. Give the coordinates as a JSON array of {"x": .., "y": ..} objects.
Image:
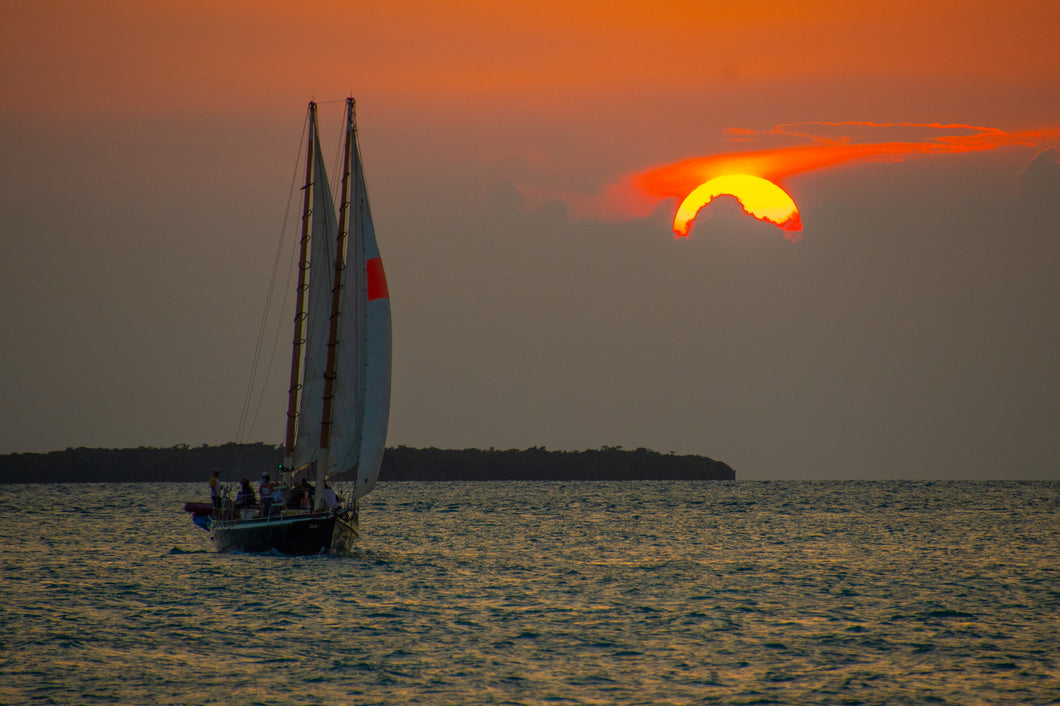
[{"x": 376, "y": 279}]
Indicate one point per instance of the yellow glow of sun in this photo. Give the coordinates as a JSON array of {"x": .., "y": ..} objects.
[{"x": 759, "y": 197}]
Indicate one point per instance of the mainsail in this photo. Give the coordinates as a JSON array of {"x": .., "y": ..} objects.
[
  {"x": 342, "y": 426},
  {"x": 323, "y": 238}
]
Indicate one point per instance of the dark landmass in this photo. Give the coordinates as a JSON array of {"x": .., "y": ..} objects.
[
  {"x": 184, "y": 464},
  {"x": 609, "y": 463}
]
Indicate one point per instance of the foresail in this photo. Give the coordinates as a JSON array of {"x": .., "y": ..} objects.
[
  {"x": 363, "y": 382},
  {"x": 321, "y": 269},
  {"x": 377, "y": 355}
]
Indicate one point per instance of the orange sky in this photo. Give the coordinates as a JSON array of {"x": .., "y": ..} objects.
[
  {"x": 194, "y": 55},
  {"x": 576, "y": 93}
]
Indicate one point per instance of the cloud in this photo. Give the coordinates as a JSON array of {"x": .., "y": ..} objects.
[{"x": 795, "y": 148}]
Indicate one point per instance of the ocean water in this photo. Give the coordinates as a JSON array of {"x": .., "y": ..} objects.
[{"x": 560, "y": 593}]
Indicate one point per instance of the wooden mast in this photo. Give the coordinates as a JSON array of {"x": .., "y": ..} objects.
[
  {"x": 300, "y": 315},
  {"x": 324, "y": 457}
]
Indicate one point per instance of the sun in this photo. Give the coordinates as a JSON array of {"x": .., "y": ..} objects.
[{"x": 759, "y": 197}]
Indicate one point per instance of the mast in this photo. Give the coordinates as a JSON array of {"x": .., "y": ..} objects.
[
  {"x": 300, "y": 315},
  {"x": 324, "y": 457}
]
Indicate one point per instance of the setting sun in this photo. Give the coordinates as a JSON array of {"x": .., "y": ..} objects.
[{"x": 759, "y": 197}]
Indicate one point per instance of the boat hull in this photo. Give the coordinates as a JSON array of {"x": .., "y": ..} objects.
[{"x": 316, "y": 533}]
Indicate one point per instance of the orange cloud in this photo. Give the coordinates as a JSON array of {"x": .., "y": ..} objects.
[{"x": 830, "y": 144}]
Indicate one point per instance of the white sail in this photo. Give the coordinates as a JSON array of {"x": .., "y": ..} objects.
[
  {"x": 321, "y": 272},
  {"x": 362, "y": 385}
]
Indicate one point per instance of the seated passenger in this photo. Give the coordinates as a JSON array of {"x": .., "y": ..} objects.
[
  {"x": 301, "y": 496},
  {"x": 331, "y": 500},
  {"x": 245, "y": 497}
]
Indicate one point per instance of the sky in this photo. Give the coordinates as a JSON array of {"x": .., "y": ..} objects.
[{"x": 525, "y": 161}]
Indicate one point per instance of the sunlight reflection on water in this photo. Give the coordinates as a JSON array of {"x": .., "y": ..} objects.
[{"x": 528, "y": 592}]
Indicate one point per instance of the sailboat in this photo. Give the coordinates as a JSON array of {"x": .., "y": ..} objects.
[{"x": 339, "y": 394}]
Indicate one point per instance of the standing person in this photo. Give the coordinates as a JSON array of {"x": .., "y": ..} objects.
[
  {"x": 265, "y": 493},
  {"x": 277, "y": 495},
  {"x": 302, "y": 496},
  {"x": 215, "y": 488}
]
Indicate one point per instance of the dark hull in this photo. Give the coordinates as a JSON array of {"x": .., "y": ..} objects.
[{"x": 317, "y": 533}]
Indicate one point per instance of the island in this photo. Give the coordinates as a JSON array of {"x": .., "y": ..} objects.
[{"x": 186, "y": 464}]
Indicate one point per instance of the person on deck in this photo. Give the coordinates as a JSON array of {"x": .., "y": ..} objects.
[
  {"x": 308, "y": 493},
  {"x": 215, "y": 488},
  {"x": 331, "y": 501},
  {"x": 245, "y": 497},
  {"x": 265, "y": 490},
  {"x": 301, "y": 496}
]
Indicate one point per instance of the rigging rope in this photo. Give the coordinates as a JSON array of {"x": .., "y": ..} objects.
[{"x": 246, "y": 428}]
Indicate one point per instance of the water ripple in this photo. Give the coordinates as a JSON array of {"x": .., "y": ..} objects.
[{"x": 580, "y": 593}]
